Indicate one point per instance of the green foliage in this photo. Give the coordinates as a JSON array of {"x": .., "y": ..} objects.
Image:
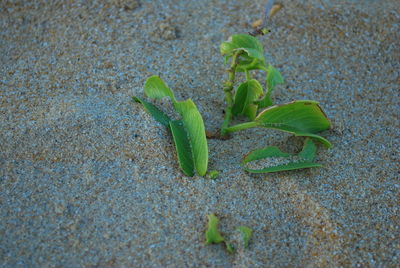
[
  {"x": 213, "y": 236},
  {"x": 304, "y": 159},
  {"x": 213, "y": 174},
  {"x": 194, "y": 125},
  {"x": 245, "y": 43},
  {"x": 158, "y": 115},
  {"x": 300, "y": 118},
  {"x": 246, "y": 234},
  {"x": 273, "y": 78},
  {"x": 188, "y": 133},
  {"x": 182, "y": 146},
  {"x": 155, "y": 88},
  {"x": 246, "y": 94}
]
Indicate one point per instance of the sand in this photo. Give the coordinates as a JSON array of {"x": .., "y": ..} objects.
[{"x": 88, "y": 178}]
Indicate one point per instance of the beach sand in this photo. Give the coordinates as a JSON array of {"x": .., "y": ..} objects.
[{"x": 88, "y": 178}]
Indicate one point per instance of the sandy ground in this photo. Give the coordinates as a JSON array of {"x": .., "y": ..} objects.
[{"x": 87, "y": 178}]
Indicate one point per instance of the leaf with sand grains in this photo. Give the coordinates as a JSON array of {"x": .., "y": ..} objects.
[
  {"x": 155, "y": 88},
  {"x": 281, "y": 161},
  {"x": 301, "y": 118},
  {"x": 194, "y": 126},
  {"x": 158, "y": 115},
  {"x": 188, "y": 133}
]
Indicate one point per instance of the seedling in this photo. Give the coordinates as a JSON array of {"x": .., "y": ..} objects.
[
  {"x": 213, "y": 174},
  {"x": 213, "y": 236},
  {"x": 188, "y": 133},
  {"x": 251, "y": 100},
  {"x": 246, "y": 233}
]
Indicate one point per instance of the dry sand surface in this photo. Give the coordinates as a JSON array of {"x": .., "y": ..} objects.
[{"x": 87, "y": 178}]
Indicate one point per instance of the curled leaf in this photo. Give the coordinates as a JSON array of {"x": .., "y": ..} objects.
[
  {"x": 188, "y": 133},
  {"x": 213, "y": 236},
  {"x": 194, "y": 125},
  {"x": 156, "y": 88},
  {"x": 245, "y": 96},
  {"x": 243, "y": 42},
  {"x": 274, "y": 78},
  {"x": 275, "y": 160}
]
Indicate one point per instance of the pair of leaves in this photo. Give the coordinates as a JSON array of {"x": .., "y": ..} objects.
[
  {"x": 251, "y": 49},
  {"x": 245, "y": 43},
  {"x": 305, "y": 158},
  {"x": 251, "y": 58},
  {"x": 213, "y": 236},
  {"x": 188, "y": 133}
]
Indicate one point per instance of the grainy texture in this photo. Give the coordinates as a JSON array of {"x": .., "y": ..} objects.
[{"x": 87, "y": 178}]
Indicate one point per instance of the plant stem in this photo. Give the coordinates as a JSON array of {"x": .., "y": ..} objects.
[
  {"x": 242, "y": 126},
  {"x": 228, "y": 86},
  {"x": 247, "y": 73}
]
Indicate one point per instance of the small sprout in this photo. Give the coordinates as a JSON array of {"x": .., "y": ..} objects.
[
  {"x": 213, "y": 236},
  {"x": 188, "y": 133},
  {"x": 213, "y": 174},
  {"x": 246, "y": 234}
]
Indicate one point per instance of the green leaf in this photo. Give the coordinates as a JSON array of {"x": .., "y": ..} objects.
[
  {"x": 304, "y": 159},
  {"x": 182, "y": 145},
  {"x": 194, "y": 125},
  {"x": 156, "y": 88},
  {"x": 246, "y": 234},
  {"x": 316, "y": 137},
  {"x": 287, "y": 167},
  {"x": 302, "y": 118},
  {"x": 158, "y": 115},
  {"x": 243, "y": 42},
  {"x": 245, "y": 96},
  {"x": 213, "y": 174},
  {"x": 264, "y": 102},
  {"x": 270, "y": 151},
  {"x": 273, "y": 78},
  {"x": 309, "y": 150},
  {"x": 213, "y": 236}
]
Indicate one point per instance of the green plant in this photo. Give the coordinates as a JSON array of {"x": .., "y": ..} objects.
[
  {"x": 188, "y": 133},
  {"x": 301, "y": 117},
  {"x": 213, "y": 236}
]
